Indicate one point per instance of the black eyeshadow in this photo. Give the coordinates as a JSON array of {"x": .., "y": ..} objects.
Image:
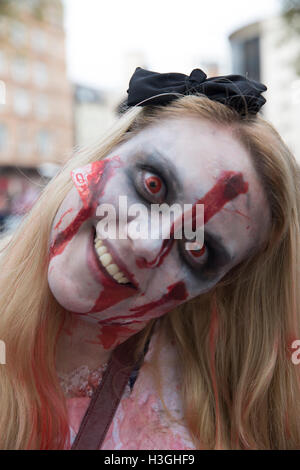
[
  {"x": 163, "y": 167},
  {"x": 155, "y": 162},
  {"x": 218, "y": 257}
]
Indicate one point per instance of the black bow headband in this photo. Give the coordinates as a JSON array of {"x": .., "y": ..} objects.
[{"x": 240, "y": 93}]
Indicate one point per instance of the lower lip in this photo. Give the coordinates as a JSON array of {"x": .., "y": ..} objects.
[{"x": 98, "y": 271}]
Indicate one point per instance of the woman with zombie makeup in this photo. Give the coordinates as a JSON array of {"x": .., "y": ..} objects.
[{"x": 210, "y": 330}]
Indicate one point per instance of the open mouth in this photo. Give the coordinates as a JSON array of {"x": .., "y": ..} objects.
[{"x": 109, "y": 265}]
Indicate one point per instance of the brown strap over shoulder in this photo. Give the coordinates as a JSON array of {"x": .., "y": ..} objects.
[{"x": 106, "y": 397}]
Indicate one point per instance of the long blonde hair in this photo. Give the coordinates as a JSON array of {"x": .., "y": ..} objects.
[{"x": 240, "y": 388}]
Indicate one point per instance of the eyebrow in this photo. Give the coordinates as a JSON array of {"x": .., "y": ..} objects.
[{"x": 155, "y": 160}]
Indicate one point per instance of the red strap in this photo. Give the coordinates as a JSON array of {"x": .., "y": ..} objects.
[{"x": 106, "y": 397}]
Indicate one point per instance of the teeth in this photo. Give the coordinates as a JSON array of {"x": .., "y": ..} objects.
[
  {"x": 112, "y": 269},
  {"x": 101, "y": 250},
  {"x": 118, "y": 276},
  {"x": 107, "y": 261}
]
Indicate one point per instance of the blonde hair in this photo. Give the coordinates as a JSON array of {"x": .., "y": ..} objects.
[{"x": 240, "y": 388}]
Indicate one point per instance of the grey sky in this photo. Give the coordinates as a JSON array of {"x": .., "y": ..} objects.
[{"x": 171, "y": 35}]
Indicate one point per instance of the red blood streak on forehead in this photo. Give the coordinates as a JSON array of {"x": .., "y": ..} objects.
[
  {"x": 90, "y": 185},
  {"x": 228, "y": 187}
]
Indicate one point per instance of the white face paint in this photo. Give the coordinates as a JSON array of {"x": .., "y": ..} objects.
[{"x": 178, "y": 161}]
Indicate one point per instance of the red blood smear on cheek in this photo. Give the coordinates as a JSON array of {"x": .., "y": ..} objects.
[
  {"x": 228, "y": 187},
  {"x": 87, "y": 182},
  {"x": 176, "y": 293},
  {"x": 61, "y": 219},
  {"x": 64, "y": 237}
]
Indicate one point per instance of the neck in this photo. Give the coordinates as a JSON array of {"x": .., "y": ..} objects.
[{"x": 82, "y": 343}]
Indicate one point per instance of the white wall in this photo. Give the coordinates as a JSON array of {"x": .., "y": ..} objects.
[{"x": 277, "y": 72}]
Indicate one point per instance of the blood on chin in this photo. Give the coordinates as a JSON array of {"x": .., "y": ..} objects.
[{"x": 175, "y": 295}]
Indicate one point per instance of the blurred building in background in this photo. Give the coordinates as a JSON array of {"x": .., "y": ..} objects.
[
  {"x": 132, "y": 59},
  {"x": 212, "y": 69},
  {"x": 93, "y": 113},
  {"x": 36, "y": 124},
  {"x": 96, "y": 110},
  {"x": 264, "y": 52}
]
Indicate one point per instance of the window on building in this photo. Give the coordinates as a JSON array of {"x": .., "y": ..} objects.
[
  {"x": 32, "y": 4},
  {"x": 3, "y": 137},
  {"x": 2, "y": 63},
  {"x": 2, "y": 94},
  {"x": 55, "y": 15},
  {"x": 40, "y": 74},
  {"x": 3, "y": 27},
  {"x": 42, "y": 107},
  {"x": 45, "y": 143},
  {"x": 24, "y": 144},
  {"x": 38, "y": 40},
  {"x": 246, "y": 57},
  {"x": 20, "y": 69},
  {"x": 22, "y": 102},
  {"x": 252, "y": 58},
  {"x": 18, "y": 33}
]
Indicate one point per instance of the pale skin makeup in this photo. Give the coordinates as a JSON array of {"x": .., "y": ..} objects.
[{"x": 183, "y": 160}]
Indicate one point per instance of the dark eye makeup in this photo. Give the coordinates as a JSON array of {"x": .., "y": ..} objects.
[
  {"x": 162, "y": 167},
  {"x": 152, "y": 187},
  {"x": 213, "y": 258},
  {"x": 149, "y": 184}
]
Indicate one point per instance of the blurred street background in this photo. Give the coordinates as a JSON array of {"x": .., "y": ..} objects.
[{"x": 65, "y": 68}]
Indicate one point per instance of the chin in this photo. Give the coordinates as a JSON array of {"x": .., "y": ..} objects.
[{"x": 67, "y": 296}]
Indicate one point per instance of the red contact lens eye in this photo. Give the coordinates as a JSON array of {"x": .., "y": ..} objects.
[
  {"x": 198, "y": 253},
  {"x": 154, "y": 184}
]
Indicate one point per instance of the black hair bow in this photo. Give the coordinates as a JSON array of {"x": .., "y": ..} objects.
[{"x": 236, "y": 91}]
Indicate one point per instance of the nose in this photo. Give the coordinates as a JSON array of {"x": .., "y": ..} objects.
[
  {"x": 151, "y": 234},
  {"x": 145, "y": 245}
]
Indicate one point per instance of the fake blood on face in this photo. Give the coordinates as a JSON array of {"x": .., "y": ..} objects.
[
  {"x": 88, "y": 183},
  {"x": 228, "y": 187},
  {"x": 176, "y": 293},
  {"x": 112, "y": 292},
  {"x": 62, "y": 217}
]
